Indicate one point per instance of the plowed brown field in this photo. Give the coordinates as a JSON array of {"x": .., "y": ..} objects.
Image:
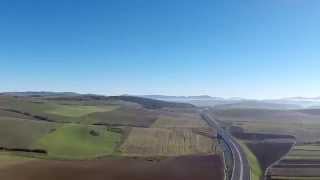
[{"x": 180, "y": 168}]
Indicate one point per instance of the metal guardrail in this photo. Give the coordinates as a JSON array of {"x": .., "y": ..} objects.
[
  {"x": 219, "y": 136},
  {"x": 228, "y": 157},
  {"x": 228, "y": 141}
]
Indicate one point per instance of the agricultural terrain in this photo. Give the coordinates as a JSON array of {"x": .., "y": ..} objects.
[
  {"x": 87, "y": 134},
  {"x": 280, "y": 144},
  {"x": 303, "y": 162},
  {"x": 205, "y": 167}
]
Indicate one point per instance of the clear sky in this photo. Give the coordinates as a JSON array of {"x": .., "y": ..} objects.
[{"x": 229, "y": 48}]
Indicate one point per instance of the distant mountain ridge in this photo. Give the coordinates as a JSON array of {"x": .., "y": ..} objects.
[
  {"x": 180, "y": 97},
  {"x": 258, "y": 105},
  {"x": 39, "y": 93},
  {"x": 201, "y": 100},
  {"x": 148, "y": 103}
]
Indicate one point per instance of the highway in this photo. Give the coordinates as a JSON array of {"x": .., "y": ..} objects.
[{"x": 241, "y": 168}]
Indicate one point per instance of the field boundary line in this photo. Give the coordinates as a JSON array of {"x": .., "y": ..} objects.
[{"x": 281, "y": 158}]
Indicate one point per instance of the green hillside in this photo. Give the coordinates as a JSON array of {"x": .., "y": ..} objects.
[{"x": 79, "y": 141}]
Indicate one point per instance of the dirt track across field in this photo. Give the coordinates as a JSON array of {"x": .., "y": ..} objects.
[{"x": 180, "y": 168}]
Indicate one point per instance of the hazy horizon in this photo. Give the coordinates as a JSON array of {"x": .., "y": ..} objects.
[
  {"x": 165, "y": 95},
  {"x": 159, "y": 89},
  {"x": 248, "y": 49}
]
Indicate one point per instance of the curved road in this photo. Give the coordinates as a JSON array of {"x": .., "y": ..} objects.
[{"x": 241, "y": 168}]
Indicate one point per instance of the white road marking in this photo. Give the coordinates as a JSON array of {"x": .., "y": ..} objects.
[
  {"x": 237, "y": 150},
  {"x": 240, "y": 158},
  {"x": 233, "y": 169}
]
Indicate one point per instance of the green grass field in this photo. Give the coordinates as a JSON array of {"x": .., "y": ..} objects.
[
  {"x": 73, "y": 141},
  {"x": 66, "y": 112},
  {"x": 256, "y": 171}
]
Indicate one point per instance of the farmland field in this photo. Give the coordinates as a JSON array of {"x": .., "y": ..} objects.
[
  {"x": 183, "y": 120},
  {"x": 269, "y": 152},
  {"x": 303, "y": 125},
  {"x": 22, "y": 133},
  {"x": 302, "y": 162},
  {"x": 178, "y": 168},
  {"x": 305, "y": 151},
  {"x": 7, "y": 160},
  {"x": 77, "y": 111},
  {"x": 166, "y": 142},
  {"x": 79, "y": 141},
  {"x": 98, "y": 137},
  {"x": 127, "y": 116}
]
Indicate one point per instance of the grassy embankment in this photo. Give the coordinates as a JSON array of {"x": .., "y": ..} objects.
[{"x": 256, "y": 172}]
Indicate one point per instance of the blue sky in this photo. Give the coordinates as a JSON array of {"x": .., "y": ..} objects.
[{"x": 230, "y": 48}]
